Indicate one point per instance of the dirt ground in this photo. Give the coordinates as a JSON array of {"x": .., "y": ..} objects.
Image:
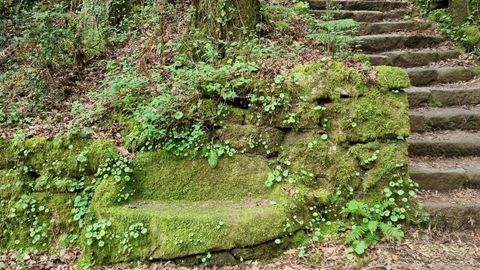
[{"x": 429, "y": 249}]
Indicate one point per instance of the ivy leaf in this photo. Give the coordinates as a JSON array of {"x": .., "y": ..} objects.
[{"x": 213, "y": 159}]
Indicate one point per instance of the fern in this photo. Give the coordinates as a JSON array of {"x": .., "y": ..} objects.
[
  {"x": 390, "y": 231},
  {"x": 356, "y": 234},
  {"x": 336, "y": 35},
  {"x": 355, "y": 207}
]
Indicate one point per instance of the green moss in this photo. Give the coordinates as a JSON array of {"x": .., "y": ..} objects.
[
  {"x": 251, "y": 139},
  {"x": 179, "y": 229},
  {"x": 4, "y": 154},
  {"x": 327, "y": 81},
  {"x": 392, "y": 78},
  {"x": 330, "y": 164},
  {"x": 207, "y": 109},
  {"x": 369, "y": 118},
  {"x": 299, "y": 115},
  {"x": 60, "y": 156},
  {"x": 359, "y": 57},
  {"x": 161, "y": 176},
  {"x": 191, "y": 209},
  {"x": 234, "y": 116},
  {"x": 381, "y": 161},
  {"x": 470, "y": 36},
  {"x": 49, "y": 222},
  {"x": 12, "y": 184}
]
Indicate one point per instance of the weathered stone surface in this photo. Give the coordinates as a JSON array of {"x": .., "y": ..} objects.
[
  {"x": 376, "y": 28},
  {"x": 377, "y": 5},
  {"x": 442, "y": 179},
  {"x": 365, "y": 15},
  {"x": 447, "y": 143},
  {"x": 454, "y": 216},
  {"x": 444, "y": 119},
  {"x": 412, "y": 58},
  {"x": 418, "y": 96},
  {"x": 388, "y": 42},
  {"x": 468, "y": 95},
  {"x": 443, "y": 96},
  {"x": 185, "y": 228},
  {"x": 421, "y": 76}
]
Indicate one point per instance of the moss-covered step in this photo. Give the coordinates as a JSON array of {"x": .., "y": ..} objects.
[
  {"x": 183, "y": 228},
  {"x": 385, "y": 27},
  {"x": 190, "y": 208},
  {"x": 377, "y": 5},
  {"x": 413, "y": 58},
  {"x": 365, "y": 15},
  {"x": 449, "y": 118},
  {"x": 442, "y": 96}
]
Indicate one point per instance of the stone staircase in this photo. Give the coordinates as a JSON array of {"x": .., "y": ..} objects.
[{"x": 444, "y": 147}]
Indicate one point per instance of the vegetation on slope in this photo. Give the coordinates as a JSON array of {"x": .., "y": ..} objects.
[{"x": 324, "y": 128}]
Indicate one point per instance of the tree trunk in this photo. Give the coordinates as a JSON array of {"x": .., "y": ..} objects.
[
  {"x": 97, "y": 17},
  {"x": 226, "y": 19}
]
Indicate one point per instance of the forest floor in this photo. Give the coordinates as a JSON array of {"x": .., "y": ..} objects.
[{"x": 430, "y": 249}]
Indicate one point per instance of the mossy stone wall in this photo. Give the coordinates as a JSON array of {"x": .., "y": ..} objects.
[{"x": 346, "y": 129}]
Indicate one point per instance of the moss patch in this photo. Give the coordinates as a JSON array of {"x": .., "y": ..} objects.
[
  {"x": 251, "y": 139},
  {"x": 380, "y": 161},
  {"x": 161, "y": 176},
  {"x": 179, "y": 229},
  {"x": 369, "y": 118},
  {"x": 392, "y": 78}
]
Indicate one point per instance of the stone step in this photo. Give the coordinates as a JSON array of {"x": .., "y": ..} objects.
[
  {"x": 459, "y": 209},
  {"x": 397, "y": 41},
  {"x": 377, "y": 28},
  {"x": 377, "y": 5},
  {"x": 423, "y": 76},
  {"x": 365, "y": 15},
  {"x": 449, "y": 118},
  {"x": 202, "y": 225},
  {"x": 408, "y": 58},
  {"x": 444, "y": 143},
  {"x": 443, "y": 96},
  {"x": 445, "y": 174}
]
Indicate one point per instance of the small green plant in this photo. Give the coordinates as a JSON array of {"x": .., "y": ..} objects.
[
  {"x": 135, "y": 231},
  {"x": 336, "y": 35},
  {"x": 96, "y": 233}
]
